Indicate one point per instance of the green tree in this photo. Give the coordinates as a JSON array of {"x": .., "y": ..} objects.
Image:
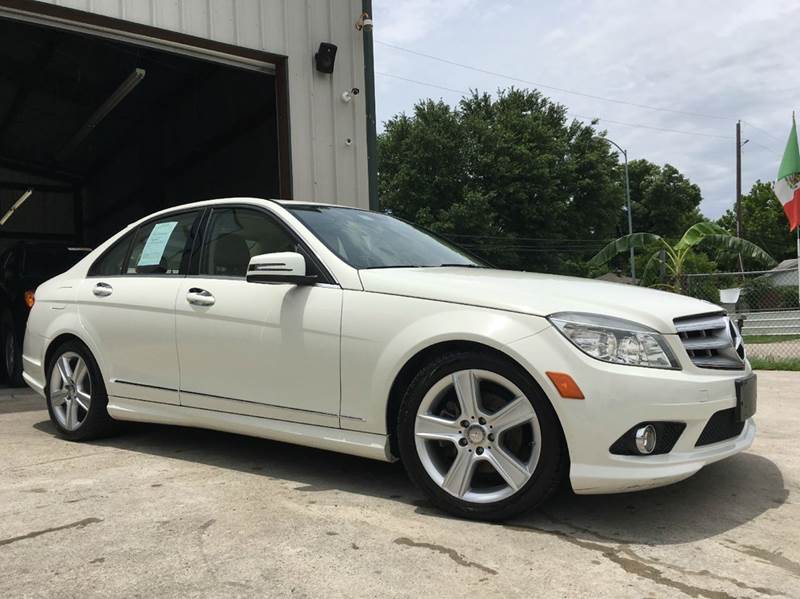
[
  {"x": 763, "y": 222},
  {"x": 663, "y": 200},
  {"x": 511, "y": 177},
  {"x": 502, "y": 174},
  {"x": 677, "y": 256}
]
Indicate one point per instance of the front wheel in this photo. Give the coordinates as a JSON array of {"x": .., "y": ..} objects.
[
  {"x": 480, "y": 437},
  {"x": 76, "y": 394}
]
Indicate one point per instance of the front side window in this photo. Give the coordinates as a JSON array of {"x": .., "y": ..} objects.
[
  {"x": 237, "y": 234},
  {"x": 162, "y": 246},
  {"x": 373, "y": 240}
]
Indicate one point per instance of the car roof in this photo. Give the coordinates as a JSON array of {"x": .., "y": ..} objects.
[{"x": 244, "y": 199}]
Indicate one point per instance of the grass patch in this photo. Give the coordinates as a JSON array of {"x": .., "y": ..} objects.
[
  {"x": 775, "y": 363},
  {"x": 769, "y": 338}
]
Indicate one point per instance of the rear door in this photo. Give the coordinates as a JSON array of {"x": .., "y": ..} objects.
[
  {"x": 268, "y": 350},
  {"x": 127, "y": 306}
]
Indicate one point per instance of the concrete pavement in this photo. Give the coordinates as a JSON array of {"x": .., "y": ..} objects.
[{"x": 173, "y": 512}]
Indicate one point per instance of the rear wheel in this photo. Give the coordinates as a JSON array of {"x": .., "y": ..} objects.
[
  {"x": 480, "y": 437},
  {"x": 76, "y": 394}
]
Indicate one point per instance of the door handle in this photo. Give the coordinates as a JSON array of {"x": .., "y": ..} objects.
[
  {"x": 102, "y": 290},
  {"x": 199, "y": 297}
]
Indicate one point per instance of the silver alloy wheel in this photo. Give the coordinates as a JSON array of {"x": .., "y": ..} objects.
[
  {"x": 70, "y": 390},
  {"x": 456, "y": 450}
]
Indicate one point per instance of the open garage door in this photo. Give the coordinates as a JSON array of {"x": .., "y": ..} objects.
[{"x": 106, "y": 131}]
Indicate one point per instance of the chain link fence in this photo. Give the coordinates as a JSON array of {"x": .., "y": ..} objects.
[{"x": 765, "y": 305}]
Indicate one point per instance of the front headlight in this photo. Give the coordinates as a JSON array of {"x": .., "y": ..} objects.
[{"x": 615, "y": 340}]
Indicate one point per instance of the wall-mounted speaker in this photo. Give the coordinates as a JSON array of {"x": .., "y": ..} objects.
[{"x": 325, "y": 57}]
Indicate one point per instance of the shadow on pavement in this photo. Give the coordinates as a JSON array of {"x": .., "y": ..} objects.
[{"x": 719, "y": 498}]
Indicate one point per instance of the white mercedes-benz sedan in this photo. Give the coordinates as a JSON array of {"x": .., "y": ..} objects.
[{"x": 356, "y": 332}]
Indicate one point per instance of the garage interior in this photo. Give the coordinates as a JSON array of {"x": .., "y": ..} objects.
[{"x": 104, "y": 132}]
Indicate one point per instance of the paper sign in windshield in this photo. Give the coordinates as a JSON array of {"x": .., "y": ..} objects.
[{"x": 156, "y": 244}]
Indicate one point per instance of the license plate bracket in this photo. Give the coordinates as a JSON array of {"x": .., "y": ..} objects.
[{"x": 746, "y": 398}]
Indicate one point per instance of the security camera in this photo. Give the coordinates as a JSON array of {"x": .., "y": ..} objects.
[{"x": 364, "y": 22}]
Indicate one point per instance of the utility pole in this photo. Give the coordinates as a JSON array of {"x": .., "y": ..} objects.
[
  {"x": 739, "y": 144},
  {"x": 739, "y": 179}
]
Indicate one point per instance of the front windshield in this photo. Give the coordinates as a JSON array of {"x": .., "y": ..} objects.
[{"x": 375, "y": 240}]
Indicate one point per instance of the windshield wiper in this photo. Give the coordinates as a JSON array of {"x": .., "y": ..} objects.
[
  {"x": 392, "y": 266},
  {"x": 461, "y": 265}
]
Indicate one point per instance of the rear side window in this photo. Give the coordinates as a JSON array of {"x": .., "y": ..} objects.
[
  {"x": 162, "y": 246},
  {"x": 158, "y": 247},
  {"x": 112, "y": 261}
]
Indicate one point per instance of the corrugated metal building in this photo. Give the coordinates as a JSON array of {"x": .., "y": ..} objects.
[{"x": 110, "y": 109}]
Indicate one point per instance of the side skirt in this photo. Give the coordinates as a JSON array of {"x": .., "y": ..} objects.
[{"x": 365, "y": 445}]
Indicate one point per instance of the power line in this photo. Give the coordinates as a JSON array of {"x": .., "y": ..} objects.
[
  {"x": 763, "y": 147},
  {"x": 449, "y": 89},
  {"x": 762, "y": 131},
  {"x": 664, "y": 129},
  {"x": 579, "y": 116},
  {"x": 545, "y": 86}
]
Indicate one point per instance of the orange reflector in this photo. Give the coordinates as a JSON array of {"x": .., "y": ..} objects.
[
  {"x": 567, "y": 388},
  {"x": 30, "y": 299}
]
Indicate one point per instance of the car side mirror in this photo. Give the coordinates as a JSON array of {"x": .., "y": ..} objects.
[{"x": 279, "y": 267}]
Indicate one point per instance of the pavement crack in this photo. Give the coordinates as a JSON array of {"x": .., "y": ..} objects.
[
  {"x": 205, "y": 526},
  {"x": 634, "y": 564},
  {"x": 73, "y": 457},
  {"x": 36, "y": 533},
  {"x": 625, "y": 548},
  {"x": 451, "y": 553},
  {"x": 774, "y": 558}
]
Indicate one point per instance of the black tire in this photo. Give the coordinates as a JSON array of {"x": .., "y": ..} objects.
[
  {"x": 12, "y": 352},
  {"x": 96, "y": 422},
  {"x": 548, "y": 473}
]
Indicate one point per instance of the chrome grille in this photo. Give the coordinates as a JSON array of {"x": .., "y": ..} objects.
[{"x": 712, "y": 341}]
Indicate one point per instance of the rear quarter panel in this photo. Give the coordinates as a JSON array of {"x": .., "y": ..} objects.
[{"x": 53, "y": 314}]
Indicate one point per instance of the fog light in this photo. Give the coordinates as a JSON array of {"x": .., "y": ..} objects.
[{"x": 646, "y": 439}]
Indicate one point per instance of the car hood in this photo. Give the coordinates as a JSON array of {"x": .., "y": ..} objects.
[{"x": 536, "y": 293}]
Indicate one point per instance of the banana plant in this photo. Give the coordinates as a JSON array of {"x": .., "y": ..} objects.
[{"x": 675, "y": 255}]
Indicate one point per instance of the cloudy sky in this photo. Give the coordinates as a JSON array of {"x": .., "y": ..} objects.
[{"x": 705, "y": 64}]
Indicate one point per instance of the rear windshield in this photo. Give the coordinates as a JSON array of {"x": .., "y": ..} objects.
[{"x": 48, "y": 261}]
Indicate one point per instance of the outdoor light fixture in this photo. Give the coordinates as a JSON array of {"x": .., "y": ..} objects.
[
  {"x": 98, "y": 115},
  {"x": 15, "y": 206},
  {"x": 325, "y": 57}
]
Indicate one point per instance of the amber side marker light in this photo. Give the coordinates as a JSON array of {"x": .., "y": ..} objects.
[
  {"x": 30, "y": 299},
  {"x": 567, "y": 387}
]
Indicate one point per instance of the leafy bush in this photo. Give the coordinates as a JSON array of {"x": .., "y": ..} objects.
[{"x": 761, "y": 294}]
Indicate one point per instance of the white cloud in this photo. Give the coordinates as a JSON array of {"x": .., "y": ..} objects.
[{"x": 731, "y": 58}]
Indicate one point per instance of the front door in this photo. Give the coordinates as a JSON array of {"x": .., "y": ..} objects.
[
  {"x": 267, "y": 350},
  {"x": 127, "y": 306}
]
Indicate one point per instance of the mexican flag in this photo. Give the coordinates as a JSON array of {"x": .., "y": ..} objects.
[{"x": 787, "y": 187}]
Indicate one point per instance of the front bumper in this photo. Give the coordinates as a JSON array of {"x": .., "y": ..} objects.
[{"x": 619, "y": 397}]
